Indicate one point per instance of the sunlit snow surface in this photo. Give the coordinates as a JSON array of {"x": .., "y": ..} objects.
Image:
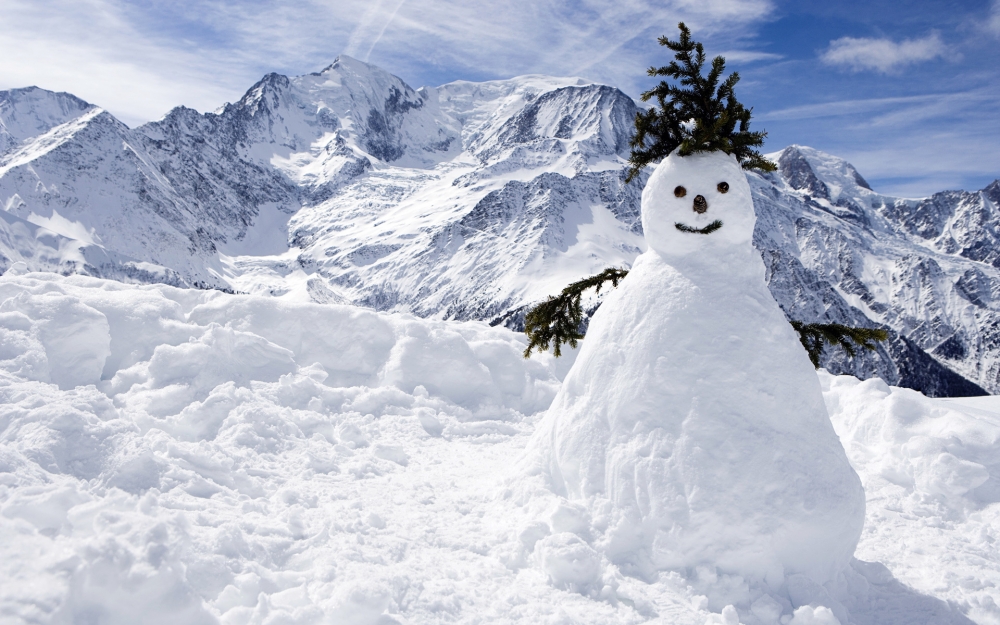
[{"x": 179, "y": 456}]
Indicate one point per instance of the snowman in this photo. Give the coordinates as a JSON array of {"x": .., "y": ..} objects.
[{"x": 692, "y": 422}]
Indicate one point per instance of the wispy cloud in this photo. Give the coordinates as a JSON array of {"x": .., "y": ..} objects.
[
  {"x": 90, "y": 48},
  {"x": 993, "y": 20},
  {"x": 883, "y": 55},
  {"x": 372, "y": 27},
  {"x": 870, "y": 109},
  {"x": 909, "y": 146},
  {"x": 138, "y": 59},
  {"x": 749, "y": 56},
  {"x": 919, "y": 165}
]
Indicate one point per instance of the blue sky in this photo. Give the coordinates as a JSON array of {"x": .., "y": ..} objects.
[{"x": 908, "y": 90}]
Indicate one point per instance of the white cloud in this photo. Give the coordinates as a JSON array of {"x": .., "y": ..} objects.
[
  {"x": 909, "y": 146},
  {"x": 883, "y": 55},
  {"x": 874, "y": 111},
  {"x": 993, "y": 21},
  {"x": 89, "y": 48},
  {"x": 748, "y": 56},
  {"x": 140, "y": 59}
]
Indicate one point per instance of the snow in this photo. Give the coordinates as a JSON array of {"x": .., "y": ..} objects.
[
  {"x": 89, "y": 182},
  {"x": 25, "y": 113},
  {"x": 934, "y": 468},
  {"x": 189, "y": 456},
  {"x": 243, "y": 459}
]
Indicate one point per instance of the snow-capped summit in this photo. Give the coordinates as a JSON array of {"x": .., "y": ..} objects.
[
  {"x": 348, "y": 103},
  {"x": 818, "y": 173},
  {"x": 29, "y": 112},
  {"x": 579, "y": 124},
  {"x": 90, "y": 180}
]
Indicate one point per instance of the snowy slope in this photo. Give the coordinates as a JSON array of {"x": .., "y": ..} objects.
[
  {"x": 839, "y": 251},
  {"x": 27, "y": 113},
  {"x": 181, "y": 456},
  {"x": 473, "y": 201},
  {"x": 540, "y": 177},
  {"x": 88, "y": 179}
]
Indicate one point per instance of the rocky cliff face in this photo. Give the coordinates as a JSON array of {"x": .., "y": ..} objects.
[
  {"x": 838, "y": 251},
  {"x": 470, "y": 201}
]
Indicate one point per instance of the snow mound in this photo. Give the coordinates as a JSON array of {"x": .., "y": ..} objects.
[
  {"x": 933, "y": 467},
  {"x": 691, "y": 422},
  {"x": 68, "y": 338},
  {"x": 123, "y": 407}
]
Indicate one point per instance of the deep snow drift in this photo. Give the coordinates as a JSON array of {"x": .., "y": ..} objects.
[
  {"x": 691, "y": 423},
  {"x": 240, "y": 459}
]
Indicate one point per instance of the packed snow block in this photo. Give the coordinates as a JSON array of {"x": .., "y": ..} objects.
[
  {"x": 76, "y": 338},
  {"x": 443, "y": 363},
  {"x": 569, "y": 562},
  {"x": 21, "y": 353},
  {"x": 479, "y": 368},
  {"x": 692, "y": 420},
  {"x": 351, "y": 343},
  {"x": 45, "y": 509},
  {"x": 945, "y": 452},
  {"x": 220, "y": 355},
  {"x": 470, "y": 365},
  {"x": 72, "y": 432},
  {"x": 114, "y": 588}
]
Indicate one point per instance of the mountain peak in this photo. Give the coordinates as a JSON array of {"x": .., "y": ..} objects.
[
  {"x": 31, "y": 111},
  {"x": 817, "y": 173},
  {"x": 345, "y": 60}
]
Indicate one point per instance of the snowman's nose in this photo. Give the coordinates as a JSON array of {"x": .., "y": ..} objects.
[{"x": 700, "y": 204}]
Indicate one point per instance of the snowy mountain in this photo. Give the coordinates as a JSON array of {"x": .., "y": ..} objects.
[
  {"x": 469, "y": 201},
  {"x": 838, "y": 251}
]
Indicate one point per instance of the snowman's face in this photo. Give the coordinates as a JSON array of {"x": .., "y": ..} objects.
[{"x": 697, "y": 203}]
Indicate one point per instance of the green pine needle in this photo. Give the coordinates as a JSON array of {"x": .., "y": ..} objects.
[
  {"x": 696, "y": 115},
  {"x": 814, "y": 335},
  {"x": 556, "y": 321}
]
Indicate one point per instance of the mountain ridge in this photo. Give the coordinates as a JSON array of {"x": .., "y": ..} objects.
[{"x": 471, "y": 201}]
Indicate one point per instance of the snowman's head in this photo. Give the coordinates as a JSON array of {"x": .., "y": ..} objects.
[{"x": 696, "y": 204}]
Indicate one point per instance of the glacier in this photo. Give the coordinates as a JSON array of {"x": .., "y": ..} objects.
[{"x": 470, "y": 201}]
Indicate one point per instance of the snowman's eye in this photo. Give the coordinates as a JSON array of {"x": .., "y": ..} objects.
[
  {"x": 723, "y": 187},
  {"x": 680, "y": 191}
]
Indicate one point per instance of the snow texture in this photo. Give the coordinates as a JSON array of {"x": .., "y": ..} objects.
[
  {"x": 692, "y": 421},
  {"x": 208, "y": 458}
]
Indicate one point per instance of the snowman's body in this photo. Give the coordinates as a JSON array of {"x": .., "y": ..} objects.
[{"x": 692, "y": 419}]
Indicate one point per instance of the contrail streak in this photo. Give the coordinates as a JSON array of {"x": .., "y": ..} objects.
[{"x": 384, "y": 26}]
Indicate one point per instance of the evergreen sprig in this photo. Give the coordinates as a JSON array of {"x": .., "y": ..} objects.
[
  {"x": 814, "y": 335},
  {"x": 556, "y": 321},
  {"x": 697, "y": 115}
]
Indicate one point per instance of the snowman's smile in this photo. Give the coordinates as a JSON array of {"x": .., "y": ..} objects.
[{"x": 709, "y": 229}]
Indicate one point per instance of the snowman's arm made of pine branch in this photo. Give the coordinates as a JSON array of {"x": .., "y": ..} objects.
[
  {"x": 814, "y": 336},
  {"x": 556, "y": 322}
]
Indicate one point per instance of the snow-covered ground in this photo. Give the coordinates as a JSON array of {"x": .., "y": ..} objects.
[{"x": 182, "y": 456}]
